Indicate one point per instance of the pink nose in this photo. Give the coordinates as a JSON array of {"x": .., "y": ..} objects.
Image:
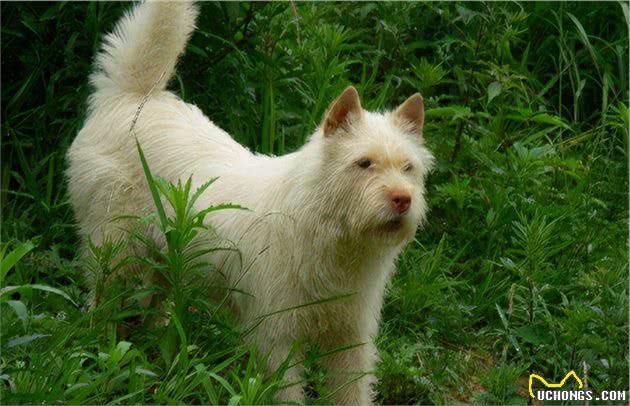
[{"x": 400, "y": 200}]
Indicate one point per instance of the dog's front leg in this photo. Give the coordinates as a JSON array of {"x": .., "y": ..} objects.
[
  {"x": 350, "y": 375},
  {"x": 278, "y": 352}
]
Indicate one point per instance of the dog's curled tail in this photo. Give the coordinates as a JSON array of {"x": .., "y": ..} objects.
[{"x": 142, "y": 51}]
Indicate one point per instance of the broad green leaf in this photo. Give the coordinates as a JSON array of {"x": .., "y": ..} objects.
[
  {"x": 504, "y": 319},
  {"x": 20, "y": 310},
  {"x": 14, "y": 256},
  {"x": 626, "y": 12},
  {"x": 548, "y": 119},
  {"x": 53, "y": 290},
  {"x": 223, "y": 383},
  {"x": 235, "y": 400},
  {"x": 207, "y": 385},
  {"x": 7, "y": 379},
  {"x": 119, "y": 352},
  {"x": 587, "y": 43},
  {"x": 543, "y": 118},
  {"x": 494, "y": 89},
  {"x": 75, "y": 387},
  {"x": 11, "y": 289},
  {"x": 143, "y": 371},
  {"x": 454, "y": 112},
  {"x": 22, "y": 340}
]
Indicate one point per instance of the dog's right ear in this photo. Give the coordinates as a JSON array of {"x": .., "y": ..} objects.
[
  {"x": 345, "y": 108},
  {"x": 412, "y": 112}
]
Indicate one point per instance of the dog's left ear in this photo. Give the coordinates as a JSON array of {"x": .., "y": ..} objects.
[{"x": 411, "y": 112}]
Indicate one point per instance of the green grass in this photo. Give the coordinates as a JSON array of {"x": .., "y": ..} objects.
[{"x": 522, "y": 267}]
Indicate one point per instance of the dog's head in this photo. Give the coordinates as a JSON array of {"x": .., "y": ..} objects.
[{"x": 374, "y": 167}]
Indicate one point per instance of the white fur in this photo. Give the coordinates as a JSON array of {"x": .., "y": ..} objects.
[{"x": 317, "y": 225}]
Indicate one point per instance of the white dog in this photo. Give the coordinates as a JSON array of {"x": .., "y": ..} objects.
[{"x": 325, "y": 221}]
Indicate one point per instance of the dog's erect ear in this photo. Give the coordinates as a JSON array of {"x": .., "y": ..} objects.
[
  {"x": 345, "y": 108},
  {"x": 411, "y": 112}
]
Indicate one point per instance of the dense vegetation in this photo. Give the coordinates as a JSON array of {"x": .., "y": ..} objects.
[{"x": 522, "y": 267}]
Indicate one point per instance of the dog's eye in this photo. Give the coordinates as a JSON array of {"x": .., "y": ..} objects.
[
  {"x": 408, "y": 167},
  {"x": 364, "y": 163}
]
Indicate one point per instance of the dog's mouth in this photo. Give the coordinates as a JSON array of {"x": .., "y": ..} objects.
[{"x": 394, "y": 224}]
